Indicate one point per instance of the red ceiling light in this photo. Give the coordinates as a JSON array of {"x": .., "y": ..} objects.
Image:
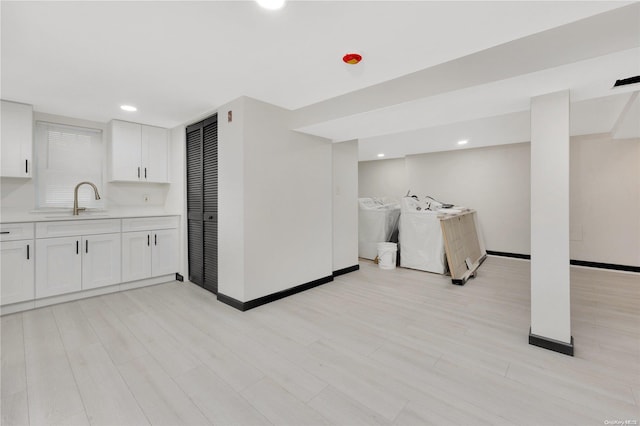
[{"x": 351, "y": 58}]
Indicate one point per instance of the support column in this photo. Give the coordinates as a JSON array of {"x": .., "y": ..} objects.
[
  {"x": 550, "y": 282},
  {"x": 345, "y": 207}
]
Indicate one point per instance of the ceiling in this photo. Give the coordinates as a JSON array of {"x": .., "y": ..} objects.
[{"x": 429, "y": 68}]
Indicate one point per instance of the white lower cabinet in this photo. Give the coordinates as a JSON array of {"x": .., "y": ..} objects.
[
  {"x": 164, "y": 253},
  {"x": 77, "y": 255},
  {"x": 70, "y": 264},
  {"x": 17, "y": 277},
  {"x": 53, "y": 258},
  {"x": 58, "y": 266},
  {"x": 148, "y": 254},
  {"x": 136, "y": 255},
  {"x": 101, "y": 260}
]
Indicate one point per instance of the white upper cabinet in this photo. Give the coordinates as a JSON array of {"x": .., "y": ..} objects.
[
  {"x": 125, "y": 151},
  {"x": 155, "y": 154},
  {"x": 17, "y": 140},
  {"x": 138, "y": 153}
]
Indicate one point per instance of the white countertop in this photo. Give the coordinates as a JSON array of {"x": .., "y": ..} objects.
[{"x": 52, "y": 216}]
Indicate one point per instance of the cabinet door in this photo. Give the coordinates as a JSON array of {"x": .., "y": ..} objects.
[
  {"x": 58, "y": 266},
  {"x": 136, "y": 255},
  {"x": 164, "y": 256},
  {"x": 17, "y": 280},
  {"x": 100, "y": 260},
  {"x": 155, "y": 150},
  {"x": 125, "y": 151},
  {"x": 17, "y": 139}
]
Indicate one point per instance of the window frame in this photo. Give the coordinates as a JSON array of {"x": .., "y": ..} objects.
[{"x": 40, "y": 125}]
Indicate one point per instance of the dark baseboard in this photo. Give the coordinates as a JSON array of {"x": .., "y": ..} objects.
[
  {"x": 228, "y": 300},
  {"x": 551, "y": 344},
  {"x": 346, "y": 270},
  {"x": 599, "y": 265},
  {"x": 245, "y": 306},
  {"x": 506, "y": 254},
  {"x": 613, "y": 266}
]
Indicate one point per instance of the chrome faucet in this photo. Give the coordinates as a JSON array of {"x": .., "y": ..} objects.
[{"x": 77, "y": 209}]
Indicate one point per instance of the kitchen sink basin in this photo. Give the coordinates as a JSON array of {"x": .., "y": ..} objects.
[{"x": 80, "y": 216}]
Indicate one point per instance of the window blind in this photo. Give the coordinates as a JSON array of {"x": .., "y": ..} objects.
[{"x": 66, "y": 156}]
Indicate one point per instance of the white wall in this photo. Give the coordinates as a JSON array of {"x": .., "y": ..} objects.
[
  {"x": 176, "y": 199},
  {"x": 383, "y": 178},
  {"x": 280, "y": 181},
  {"x": 17, "y": 196},
  {"x": 605, "y": 199},
  {"x": 604, "y": 193},
  {"x": 231, "y": 196},
  {"x": 494, "y": 181},
  {"x": 345, "y": 204}
]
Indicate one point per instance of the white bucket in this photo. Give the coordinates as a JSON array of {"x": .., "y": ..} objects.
[{"x": 387, "y": 253}]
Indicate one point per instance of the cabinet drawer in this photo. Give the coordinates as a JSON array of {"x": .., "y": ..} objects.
[
  {"x": 149, "y": 223},
  {"x": 76, "y": 227},
  {"x": 16, "y": 231}
]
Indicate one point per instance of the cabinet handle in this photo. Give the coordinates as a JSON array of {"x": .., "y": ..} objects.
[
  {"x": 86, "y": 246},
  {"x": 148, "y": 243},
  {"x": 5, "y": 232},
  {"x": 27, "y": 251},
  {"x": 155, "y": 239},
  {"x": 77, "y": 247},
  {"x": 145, "y": 172},
  {"x": 138, "y": 172},
  {"x": 26, "y": 165}
]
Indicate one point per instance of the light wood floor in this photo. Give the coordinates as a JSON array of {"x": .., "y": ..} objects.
[{"x": 373, "y": 347}]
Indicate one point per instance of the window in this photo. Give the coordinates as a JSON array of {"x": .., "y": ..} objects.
[{"x": 66, "y": 156}]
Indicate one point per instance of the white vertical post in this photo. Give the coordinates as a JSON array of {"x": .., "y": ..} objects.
[
  {"x": 345, "y": 206},
  {"x": 550, "y": 281}
]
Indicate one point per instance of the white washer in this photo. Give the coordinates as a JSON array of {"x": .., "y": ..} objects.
[{"x": 421, "y": 240}]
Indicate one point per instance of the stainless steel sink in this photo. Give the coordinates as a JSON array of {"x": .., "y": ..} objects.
[{"x": 69, "y": 215}]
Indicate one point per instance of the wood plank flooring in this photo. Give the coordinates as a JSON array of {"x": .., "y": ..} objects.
[{"x": 374, "y": 347}]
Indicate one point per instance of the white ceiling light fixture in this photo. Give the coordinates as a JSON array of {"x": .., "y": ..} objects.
[
  {"x": 128, "y": 108},
  {"x": 271, "y": 4},
  {"x": 380, "y": 155},
  {"x": 463, "y": 142}
]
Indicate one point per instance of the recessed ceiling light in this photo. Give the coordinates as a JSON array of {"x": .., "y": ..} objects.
[
  {"x": 271, "y": 4},
  {"x": 463, "y": 142},
  {"x": 380, "y": 155},
  {"x": 128, "y": 108}
]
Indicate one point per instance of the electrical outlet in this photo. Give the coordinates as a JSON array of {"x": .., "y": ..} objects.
[{"x": 146, "y": 198}]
